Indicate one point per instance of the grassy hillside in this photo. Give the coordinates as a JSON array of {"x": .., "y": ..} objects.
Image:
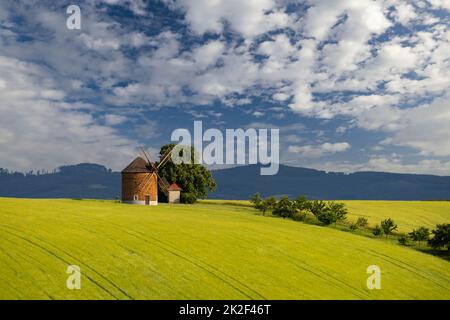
[
  {"x": 407, "y": 214},
  {"x": 203, "y": 251}
]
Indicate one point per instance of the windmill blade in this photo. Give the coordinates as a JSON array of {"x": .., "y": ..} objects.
[
  {"x": 148, "y": 159},
  {"x": 163, "y": 181},
  {"x": 145, "y": 181},
  {"x": 145, "y": 155},
  {"x": 165, "y": 158},
  {"x": 162, "y": 185}
]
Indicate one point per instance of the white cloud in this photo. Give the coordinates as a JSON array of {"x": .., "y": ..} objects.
[
  {"x": 40, "y": 131},
  {"x": 113, "y": 119},
  {"x": 280, "y": 96},
  {"x": 250, "y": 17},
  {"x": 425, "y": 128},
  {"x": 208, "y": 54},
  {"x": 404, "y": 13},
  {"x": 258, "y": 114},
  {"x": 388, "y": 163},
  {"x": 444, "y": 4},
  {"x": 324, "y": 149}
]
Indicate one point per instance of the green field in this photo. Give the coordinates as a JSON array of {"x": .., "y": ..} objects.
[
  {"x": 407, "y": 214},
  {"x": 203, "y": 251}
]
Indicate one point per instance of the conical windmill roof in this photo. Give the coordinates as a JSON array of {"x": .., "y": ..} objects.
[{"x": 136, "y": 166}]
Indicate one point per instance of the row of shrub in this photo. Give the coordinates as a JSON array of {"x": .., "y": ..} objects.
[
  {"x": 326, "y": 212},
  {"x": 331, "y": 212},
  {"x": 440, "y": 239}
]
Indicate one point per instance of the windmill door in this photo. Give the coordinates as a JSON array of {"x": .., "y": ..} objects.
[{"x": 147, "y": 200}]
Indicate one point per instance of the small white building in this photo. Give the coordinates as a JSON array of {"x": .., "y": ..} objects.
[{"x": 174, "y": 193}]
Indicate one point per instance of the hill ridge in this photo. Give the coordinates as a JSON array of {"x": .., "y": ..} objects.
[{"x": 88, "y": 180}]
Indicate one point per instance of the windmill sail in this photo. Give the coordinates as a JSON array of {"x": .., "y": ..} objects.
[{"x": 153, "y": 170}]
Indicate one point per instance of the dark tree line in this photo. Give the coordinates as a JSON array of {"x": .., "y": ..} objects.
[{"x": 327, "y": 212}]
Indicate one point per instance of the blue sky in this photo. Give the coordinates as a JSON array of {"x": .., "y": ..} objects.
[{"x": 352, "y": 85}]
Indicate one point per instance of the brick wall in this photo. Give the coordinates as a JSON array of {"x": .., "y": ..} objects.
[{"x": 131, "y": 183}]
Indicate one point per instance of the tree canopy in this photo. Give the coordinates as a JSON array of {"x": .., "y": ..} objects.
[
  {"x": 194, "y": 179},
  {"x": 441, "y": 237}
]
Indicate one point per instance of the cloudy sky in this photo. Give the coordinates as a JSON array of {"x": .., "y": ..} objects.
[{"x": 353, "y": 85}]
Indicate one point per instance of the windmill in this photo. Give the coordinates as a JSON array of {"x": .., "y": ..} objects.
[
  {"x": 162, "y": 182},
  {"x": 140, "y": 180}
]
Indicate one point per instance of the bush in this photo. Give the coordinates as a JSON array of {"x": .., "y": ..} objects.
[
  {"x": 188, "y": 198},
  {"x": 317, "y": 207},
  {"x": 441, "y": 237},
  {"x": 284, "y": 208},
  {"x": 326, "y": 217},
  {"x": 299, "y": 215},
  {"x": 404, "y": 240},
  {"x": 338, "y": 210},
  {"x": 301, "y": 203},
  {"x": 256, "y": 199},
  {"x": 329, "y": 212},
  {"x": 326, "y": 212},
  {"x": 420, "y": 234},
  {"x": 263, "y": 205},
  {"x": 377, "y": 231},
  {"x": 362, "y": 222},
  {"x": 388, "y": 226},
  {"x": 268, "y": 204}
]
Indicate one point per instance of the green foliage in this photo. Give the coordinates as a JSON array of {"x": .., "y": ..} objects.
[
  {"x": 326, "y": 217},
  {"x": 388, "y": 225},
  {"x": 194, "y": 179},
  {"x": 302, "y": 203},
  {"x": 317, "y": 207},
  {"x": 328, "y": 212},
  {"x": 338, "y": 210},
  {"x": 256, "y": 199},
  {"x": 258, "y": 202},
  {"x": 404, "y": 240},
  {"x": 188, "y": 198},
  {"x": 298, "y": 209},
  {"x": 362, "y": 222},
  {"x": 268, "y": 204},
  {"x": 377, "y": 231},
  {"x": 299, "y": 215},
  {"x": 284, "y": 208},
  {"x": 420, "y": 234},
  {"x": 263, "y": 205},
  {"x": 441, "y": 237}
]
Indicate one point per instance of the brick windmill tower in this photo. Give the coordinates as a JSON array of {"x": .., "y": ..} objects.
[{"x": 140, "y": 181}]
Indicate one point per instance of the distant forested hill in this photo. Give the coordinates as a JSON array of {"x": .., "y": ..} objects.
[
  {"x": 78, "y": 181},
  {"x": 240, "y": 182},
  {"x": 97, "y": 182}
]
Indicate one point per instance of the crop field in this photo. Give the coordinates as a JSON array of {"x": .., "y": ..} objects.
[
  {"x": 407, "y": 214},
  {"x": 209, "y": 250}
]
